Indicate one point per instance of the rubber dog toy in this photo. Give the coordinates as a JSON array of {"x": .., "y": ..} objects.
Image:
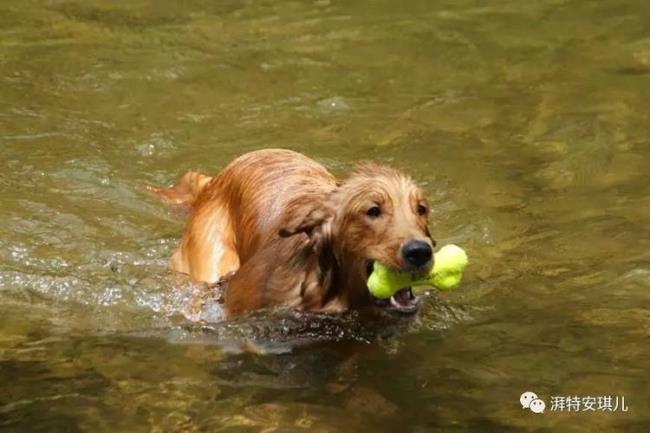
[{"x": 447, "y": 271}]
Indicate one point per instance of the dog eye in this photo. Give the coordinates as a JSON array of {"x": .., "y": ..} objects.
[
  {"x": 374, "y": 212},
  {"x": 422, "y": 210}
]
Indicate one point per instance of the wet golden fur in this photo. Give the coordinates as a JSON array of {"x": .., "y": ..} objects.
[{"x": 291, "y": 233}]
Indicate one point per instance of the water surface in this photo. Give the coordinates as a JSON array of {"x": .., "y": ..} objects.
[{"x": 526, "y": 122}]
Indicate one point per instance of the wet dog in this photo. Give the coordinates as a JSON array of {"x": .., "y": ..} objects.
[{"x": 285, "y": 232}]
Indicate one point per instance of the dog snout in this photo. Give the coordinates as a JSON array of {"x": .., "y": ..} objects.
[{"x": 417, "y": 253}]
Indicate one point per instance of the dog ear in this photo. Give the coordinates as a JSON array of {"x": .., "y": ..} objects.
[{"x": 305, "y": 217}]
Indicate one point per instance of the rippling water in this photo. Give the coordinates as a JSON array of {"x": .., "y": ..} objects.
[{"x": 526, "y": 122}]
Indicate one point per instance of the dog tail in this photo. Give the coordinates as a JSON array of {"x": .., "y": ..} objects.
[{"x": 184, "y": 193}]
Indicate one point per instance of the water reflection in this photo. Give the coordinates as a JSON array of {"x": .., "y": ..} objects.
[{"x": 527, "y": 124}]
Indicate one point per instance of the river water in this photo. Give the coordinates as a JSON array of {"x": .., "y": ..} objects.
[{"x": 527, "y": 123}]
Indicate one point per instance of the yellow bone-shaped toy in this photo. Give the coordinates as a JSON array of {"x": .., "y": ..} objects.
[{"x": 448, "y": 266}]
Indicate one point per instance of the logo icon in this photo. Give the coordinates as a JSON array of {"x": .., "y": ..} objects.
[
  {"x": 529, "y": 400},
  {"x": 537, "y": 405}
]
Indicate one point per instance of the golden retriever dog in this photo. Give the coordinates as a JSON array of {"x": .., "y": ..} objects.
[{"x": 284, "y": 232}]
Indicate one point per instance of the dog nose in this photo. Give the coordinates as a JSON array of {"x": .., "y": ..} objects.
[{"x": 417, "y": 253}]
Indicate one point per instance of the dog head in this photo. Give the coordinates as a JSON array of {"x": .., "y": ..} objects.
[
  {"x": 376, "y": 214},
  {"x": 380, "y": 215}
]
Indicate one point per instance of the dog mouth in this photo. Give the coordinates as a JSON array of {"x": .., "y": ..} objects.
[
  {"x": 370, "y": 267},
  {"x": 403, "y": 301}
]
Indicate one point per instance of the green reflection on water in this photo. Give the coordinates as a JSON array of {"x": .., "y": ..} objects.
[{"x": 527, "y": 124}]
